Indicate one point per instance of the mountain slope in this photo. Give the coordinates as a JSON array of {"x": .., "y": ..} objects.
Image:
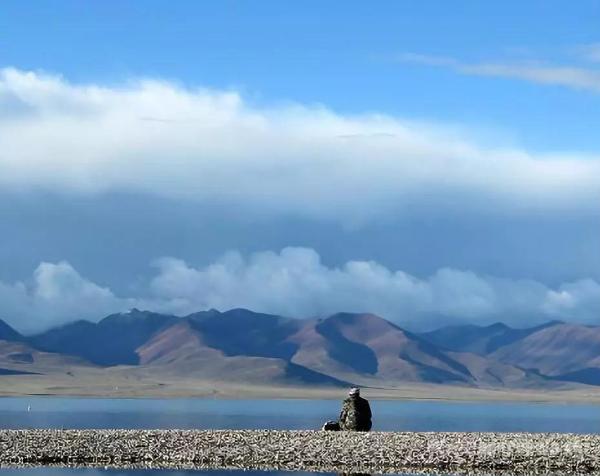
[
  {"x": 183, "y": 349},
  {"x": 372, "y": 350},
  {"x": 112, "y": 341},
  {"x": 481, "y": 340},
  {"x": 490, "y": 373},
  {"x": 244, "y": 332},
  {"x": 21, "y": 358},
  {"x": 363, "y": 349},
  {"x": 7, "y": 333},
  {"x": 564, "y": 351}
]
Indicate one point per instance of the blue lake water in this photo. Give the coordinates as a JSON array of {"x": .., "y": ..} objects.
[{"x": 293, "y": 414}]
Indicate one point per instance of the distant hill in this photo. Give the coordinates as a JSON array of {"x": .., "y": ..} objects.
[
  {"x": 343, "y": 349},
  {"x": 111, "y": 341},
  {"x": 7, "y": 333},
  {"x": 198, "y": 346},
  {"x": 555, "y": 350},
  {"x": 368, "y": 349},
  {"x": 481, "y": 340},
  {"x": 562, "y": 351}
]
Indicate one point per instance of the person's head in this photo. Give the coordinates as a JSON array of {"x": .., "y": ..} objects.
[{"x": 354, "y": 392}]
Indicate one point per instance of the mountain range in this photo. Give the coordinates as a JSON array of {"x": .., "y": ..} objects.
[{"x": 343, "y": 349}]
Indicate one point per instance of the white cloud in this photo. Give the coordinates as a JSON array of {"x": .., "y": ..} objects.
[
  {"x": 533, "y": 71},
  {"x": 581, "y": 298},
  {"x": 590, "y": 52},
  {"x": 56, "y": 294},
  {"x": 157, "y": 137},
  {"x": 294, "y": 282}
]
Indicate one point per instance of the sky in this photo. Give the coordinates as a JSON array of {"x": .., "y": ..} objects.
[{"x": 432, "y": 162}]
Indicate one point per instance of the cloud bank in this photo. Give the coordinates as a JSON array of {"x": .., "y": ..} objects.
[
  {"x": 587, "y": 79},
  {"x": 157, "y": 137},
  {"x": 55, "y": 294},
  {"x": 590, "y": 52},
  {"x": 294, "y": 282}
]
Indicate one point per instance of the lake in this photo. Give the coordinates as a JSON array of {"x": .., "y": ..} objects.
[
  {"x": 42, "y": 412},
  {"x": 293, "y": 414}
]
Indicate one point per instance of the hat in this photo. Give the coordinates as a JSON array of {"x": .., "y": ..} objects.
[{"x": 354, "y": 392}]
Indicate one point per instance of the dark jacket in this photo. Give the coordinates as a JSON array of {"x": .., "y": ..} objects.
[{"x": 355, "y": 414}]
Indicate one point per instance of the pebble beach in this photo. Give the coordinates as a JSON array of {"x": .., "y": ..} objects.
[{"x": 376, "y": 452}]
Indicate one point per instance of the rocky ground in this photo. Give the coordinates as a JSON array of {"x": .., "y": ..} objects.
[{"x": 304, "y": 450}]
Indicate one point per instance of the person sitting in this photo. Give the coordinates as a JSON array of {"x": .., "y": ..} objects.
[{"x": 356, "y": 412}]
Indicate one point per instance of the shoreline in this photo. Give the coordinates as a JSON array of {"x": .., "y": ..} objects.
[
  {"x": 13, "y": 388},
  {"x": 458, "y": 401},
  {"x": 319, "y": 451}
]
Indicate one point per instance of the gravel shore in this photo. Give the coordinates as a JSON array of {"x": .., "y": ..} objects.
[{"x": 375, "y": 452}]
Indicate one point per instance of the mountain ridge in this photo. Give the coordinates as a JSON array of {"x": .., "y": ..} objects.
[
  {"x": 339, "y": 350},
  {"x": 7, "y": 333}
]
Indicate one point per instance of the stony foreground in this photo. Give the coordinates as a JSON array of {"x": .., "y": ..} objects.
[{"x": 304, "y": 450}]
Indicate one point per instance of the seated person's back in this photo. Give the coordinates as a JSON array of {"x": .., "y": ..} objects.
[{"x": 356, "y": 412}]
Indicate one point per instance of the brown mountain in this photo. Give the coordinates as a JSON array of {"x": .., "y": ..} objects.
[
  {"x": 112, "y": 341},
  {"x": 562, "y": 351},
  {"x": 481, "y": 340},
  {"x": 19, "y": 358},
  {"x": 244, "y": 346},
  {"x": 369, "y": 349},
  {"x": 490, "y": 373},
  {"x": 185, "y": 349},
  {"x": 12, "y": 351},
  {"x": 344, "y": 348}
]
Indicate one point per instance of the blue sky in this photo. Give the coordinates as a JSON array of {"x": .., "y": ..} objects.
[
  {"x": 339, "y": 54},
  {"x": 415, "y": 138}
]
